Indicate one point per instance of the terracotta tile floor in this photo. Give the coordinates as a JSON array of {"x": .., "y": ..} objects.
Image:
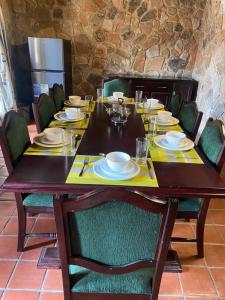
[{"x": 202, "y": 279}]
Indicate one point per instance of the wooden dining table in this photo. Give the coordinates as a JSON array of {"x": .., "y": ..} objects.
[{"x": 48, "y": 174}]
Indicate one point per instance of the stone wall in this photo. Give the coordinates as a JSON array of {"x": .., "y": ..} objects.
[
  {"x": 209, "y": 68},
  {"x": 148, "y": 37}
]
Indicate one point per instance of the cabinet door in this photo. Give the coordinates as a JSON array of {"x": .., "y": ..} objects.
[{"x": 164, "y": 98}]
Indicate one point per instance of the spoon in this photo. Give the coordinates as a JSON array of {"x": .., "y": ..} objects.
[{"x": 77, "y": 138}]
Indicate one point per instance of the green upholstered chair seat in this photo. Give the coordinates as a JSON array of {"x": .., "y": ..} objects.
[
  {"x": 112, "y": 242},
  {"x": 38, "y": 200},
  {"x": 174, "y": 106},
  {"x": 116, "y": 85},
  {"x": 188, "y": 117},
  {"x": 59, "y": 97},
  {"x": 41, "y": 199},
  {"x": 189, "y": 204},
  {"x": 86, "y": 281},
  {"x": 211, "y": 143}
]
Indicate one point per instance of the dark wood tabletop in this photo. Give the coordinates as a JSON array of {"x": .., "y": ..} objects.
[{"x": 47, "y": 174}]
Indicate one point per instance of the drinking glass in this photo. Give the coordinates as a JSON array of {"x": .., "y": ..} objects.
[
  {"x": 152, "y": 129},
  {"x": 89, "y": 98},
  {"x": 100, "y": 94},
  {"x": 141, "y": 150},
  {"x": 138, "y": 96},
  {"x": 68, "y": 140}
]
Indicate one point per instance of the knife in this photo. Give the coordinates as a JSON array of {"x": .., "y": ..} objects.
[{"x": 150, "y": 172}]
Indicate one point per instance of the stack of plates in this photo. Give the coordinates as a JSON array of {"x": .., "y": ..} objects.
[
  {"x": 102, "y": 169},
  {"x": 169, "y": 122},
  {"x": 81, "y": 103},
  {"x": 62, "y": 116},
  {"x": 161, "y": 141},
  {"x": 42, "y": 141}
]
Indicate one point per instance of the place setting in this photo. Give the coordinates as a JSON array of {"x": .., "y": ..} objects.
[
  {"x": 116, "y": 167},
  {"x": 56, "y": 141},
  {"x": 150, "y": 104},
  {"x": 70, "y": 115},
  {"x": 117, "y": 96},
  {"x": 75, "y": 101}
]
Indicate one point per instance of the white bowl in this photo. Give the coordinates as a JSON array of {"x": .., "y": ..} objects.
[
  {"x": 53, "y": 135},
  {"x": 74, "y": 99},
  {"x": 117, "y": 95},
  {"x": 117, "y": 161},
  {"x": 151, "y": 102},
  {"x": 72, "y": 113},
  {"x": 175, "y": 137},
  {"x": 163, "y": 116}
]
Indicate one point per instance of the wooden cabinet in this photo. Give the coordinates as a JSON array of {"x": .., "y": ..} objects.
[{"x": 161, "y": 88}]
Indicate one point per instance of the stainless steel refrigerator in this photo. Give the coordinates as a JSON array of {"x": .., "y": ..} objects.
[{"x": 50, "y": 61}]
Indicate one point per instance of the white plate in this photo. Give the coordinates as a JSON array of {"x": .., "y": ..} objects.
[
  {"x": 38, "y": 142},
  {"x": 82, "y": 104},
  {"x": 171, "y": 121},
  {"x": 153, "y": 107},
  {"x": 101, "y": 169},
  {"x": 111, "y": 98},
  {"x": 61, "y": 116},
  {"x": 160, "y": 140}
]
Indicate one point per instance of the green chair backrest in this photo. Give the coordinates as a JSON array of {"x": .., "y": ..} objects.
[
  {"x": 211, "y": 141},
  {"x": 114, "y": 233},
  {"x": 116, "y": 85},
  {"x": 46, "y": 110},
  {"x": 175, "y": 104},
  {"x": 188, "y": 117},
  {"x": 58, "y": 97},
  {"x": 16, "y": 134}
]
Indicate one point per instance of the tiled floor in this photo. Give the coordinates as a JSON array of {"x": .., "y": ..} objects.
[{"x": 201, "y": 279}]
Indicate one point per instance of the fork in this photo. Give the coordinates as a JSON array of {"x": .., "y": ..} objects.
[{"x": 85, "y": 163}]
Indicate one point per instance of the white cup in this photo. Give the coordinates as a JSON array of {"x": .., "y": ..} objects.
[
  {"x": 175, "y": 137},
  {"x": 74, "y": 99},
  {"x": 117, "y": 95},
  {"x": 163, "y": 116},
  {"x": 151, "y": 102},
  {"x": 72, "y": 113},
  {"x": 117, "y": 161},
  {"x": 53, "y": 135}
]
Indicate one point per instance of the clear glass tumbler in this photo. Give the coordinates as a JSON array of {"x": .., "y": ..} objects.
[
  {"x": 138, "y": 96},
  {"x": 99, "y": 94},
  {"x": 141, "y": 150}
]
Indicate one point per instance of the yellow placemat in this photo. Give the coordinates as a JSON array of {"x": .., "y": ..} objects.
[
  {"x": 106, "y": 100},
  {"x": 151, "y": 112},
  {"x": 163, "y": 155},
  {"x": 87, "y": 108},
  {"x": 68, "y": 150},
  {"x": 89, "y": 177},
  {"x": 166, "y": 128},
  {"x": 74, "y": 125}
]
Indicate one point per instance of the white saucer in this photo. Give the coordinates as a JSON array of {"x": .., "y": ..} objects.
[
  {"x": 61, "y": 116},
  {"x": 38, "y": 142},
  {"x": 102, "y": 169},
  {"x": 82, "y": 103},
  {"x": 160, "y": 140},
  {"x": 169, "y": 122},
  {"x": 153, "y": 107}
]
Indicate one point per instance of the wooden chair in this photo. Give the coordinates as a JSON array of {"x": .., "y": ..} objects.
[
  {"x": 175, "y": 104},
  {"x": 43, "y": 110},
  {"x": 113, "y": 244},
  {"x": 212, "y": 146},
  {"x": 117, "y": 85},
  {"x": 14, "y": 139},
  {"x": 58, "y": 96},
  {"x": 190, "y": 119}
]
